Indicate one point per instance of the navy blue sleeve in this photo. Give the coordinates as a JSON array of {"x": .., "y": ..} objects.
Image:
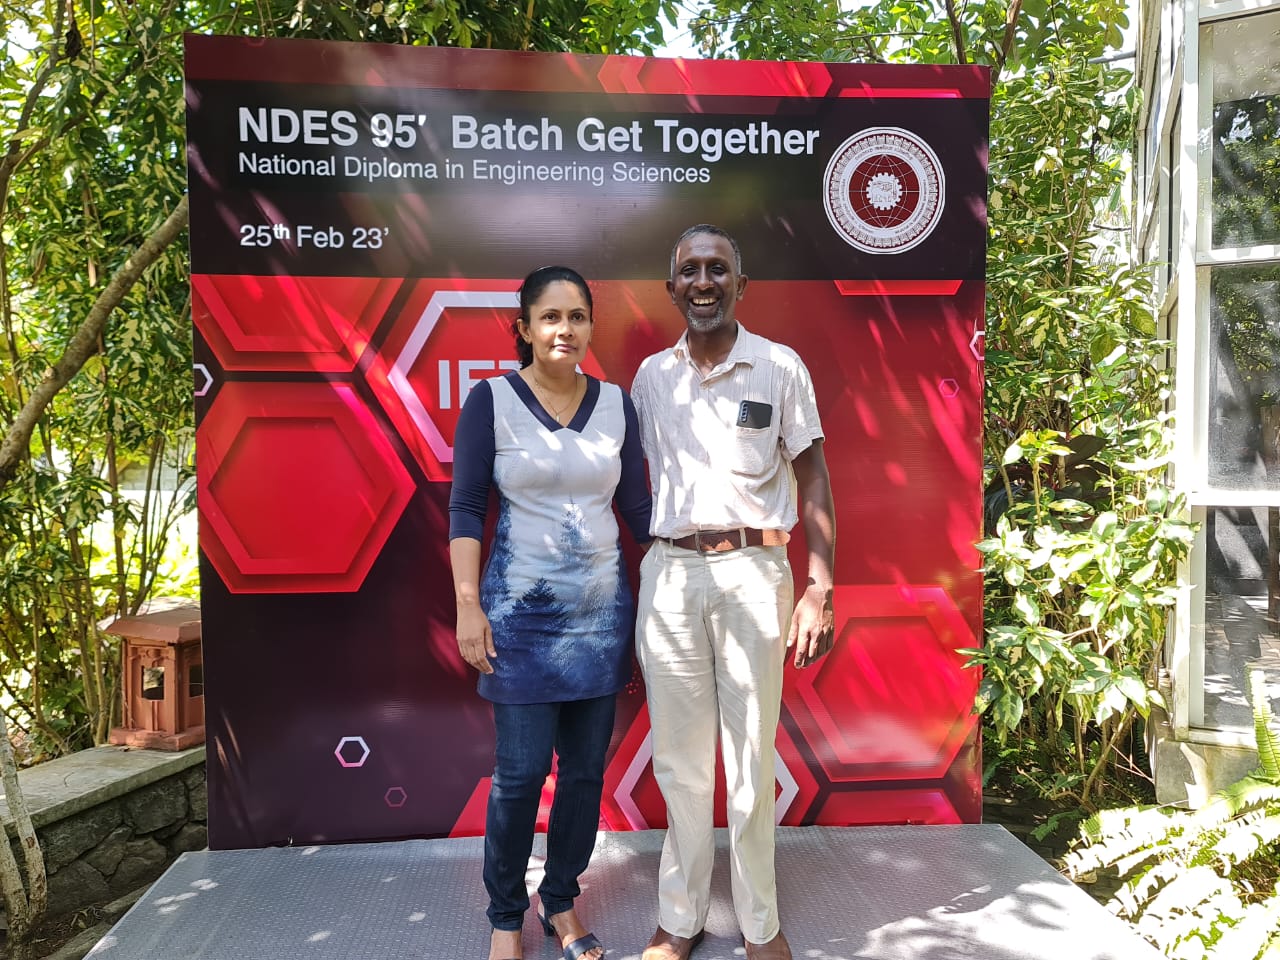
[
  {"x": 632, "y": 496},
  {"x": 473, "y": 452}
]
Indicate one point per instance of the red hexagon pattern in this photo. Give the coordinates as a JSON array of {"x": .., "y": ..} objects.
[
  {"x": 289, "y": 323},
  {"x": 299, "y": 489},
  {"x": 891, "y": 700}
]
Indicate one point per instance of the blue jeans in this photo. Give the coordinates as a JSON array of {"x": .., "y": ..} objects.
[{"x": 579, "y": 732}]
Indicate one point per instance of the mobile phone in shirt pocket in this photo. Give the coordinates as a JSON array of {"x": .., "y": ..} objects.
[
  {"x": 754, "y": 440},
  {"x": 755, "y": 414}
]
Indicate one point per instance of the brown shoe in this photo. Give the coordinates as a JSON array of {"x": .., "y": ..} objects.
[
  {"x": 775, "y": 949},
  {"x": 667, "y": 946}
]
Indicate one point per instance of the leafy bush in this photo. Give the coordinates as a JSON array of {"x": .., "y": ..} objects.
[
  {"x": 1199, "y": 884},
  {"x": 1083, "y": 534}
]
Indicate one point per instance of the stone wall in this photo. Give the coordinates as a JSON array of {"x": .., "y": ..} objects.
[
  {"x": 113, "y": 848},
  {"x": 118, "y": 824}
]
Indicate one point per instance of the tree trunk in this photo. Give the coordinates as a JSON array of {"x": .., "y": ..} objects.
[{"x": 25, "y": 904}]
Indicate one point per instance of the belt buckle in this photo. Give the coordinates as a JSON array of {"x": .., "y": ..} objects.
[{"x": 720, "y": 537}]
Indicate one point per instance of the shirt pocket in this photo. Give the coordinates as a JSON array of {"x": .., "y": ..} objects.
[{"x": 753, "y": 450}]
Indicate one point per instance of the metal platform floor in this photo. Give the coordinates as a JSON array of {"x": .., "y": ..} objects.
[{"x": 888, "y": 893}]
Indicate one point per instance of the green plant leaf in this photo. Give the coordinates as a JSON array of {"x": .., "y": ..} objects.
[{"x": 1026, "y": 608}]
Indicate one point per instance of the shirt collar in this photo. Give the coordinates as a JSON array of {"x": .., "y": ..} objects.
[{"x": 742, "y": 351}]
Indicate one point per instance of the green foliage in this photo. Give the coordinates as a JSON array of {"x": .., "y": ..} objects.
[
  {"x": 82, "y": 189},
  {"x": 1264, "y": 736},
  {"x": 1199, "y": 884},
  {"x": 580, "y": 26},
  {"x": 911, "y": 31},
  {"x": 1084, "y": 535}
]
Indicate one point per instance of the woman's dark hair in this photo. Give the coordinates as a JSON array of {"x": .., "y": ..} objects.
[{"x": 531, "y": 289}]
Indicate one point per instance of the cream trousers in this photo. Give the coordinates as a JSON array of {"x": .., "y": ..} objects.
[{"x": 710, "y": 637}]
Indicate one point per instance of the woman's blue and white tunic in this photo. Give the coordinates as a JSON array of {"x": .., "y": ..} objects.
[{"x": 554, "y": 587}]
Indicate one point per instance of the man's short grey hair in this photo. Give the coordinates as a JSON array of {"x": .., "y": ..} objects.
[{"x": 698, "y": 229}]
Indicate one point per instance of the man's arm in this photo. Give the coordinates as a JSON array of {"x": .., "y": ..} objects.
[{"x": 813, "y": 622}]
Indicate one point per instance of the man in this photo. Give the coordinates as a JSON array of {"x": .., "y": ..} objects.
[{"x": 731, "y": 432}]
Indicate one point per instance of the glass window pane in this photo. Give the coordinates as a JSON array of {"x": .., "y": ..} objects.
[
  {"x": 1151, "y": 142},
  {"x": 1246, "y": 131},
  {"x": 1173, "y": 227},
  {"x": 1241, "y": 607},
  {"x": 1244, "y": 377}
]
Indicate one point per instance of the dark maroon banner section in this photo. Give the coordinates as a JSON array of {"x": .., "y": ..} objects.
[
  {"x": 329, "y": 178},
  {"x": 361, "y": 219}
]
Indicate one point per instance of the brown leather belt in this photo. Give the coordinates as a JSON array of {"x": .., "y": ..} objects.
[{"x": 719, "y": 541}]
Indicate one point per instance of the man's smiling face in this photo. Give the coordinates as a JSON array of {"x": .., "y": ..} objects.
[{"x": 706, "y": 285}]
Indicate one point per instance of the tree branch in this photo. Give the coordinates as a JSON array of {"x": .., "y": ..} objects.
[
  {"x": 17, "y": 442},
  {"x": 1104, "y": 756},
  {"x": 1010, "y": 34},
  {"x": 528, "y": 26},
  {"x": 957, "y": 32}
]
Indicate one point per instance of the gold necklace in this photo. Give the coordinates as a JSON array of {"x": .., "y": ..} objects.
[{"x": 546, "y": 397}]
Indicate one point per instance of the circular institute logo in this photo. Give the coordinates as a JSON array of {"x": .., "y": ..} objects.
[{"x": 883, "y": 190}]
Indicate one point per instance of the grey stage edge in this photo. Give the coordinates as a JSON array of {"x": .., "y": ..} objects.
[{"x": 889, "y": 893}]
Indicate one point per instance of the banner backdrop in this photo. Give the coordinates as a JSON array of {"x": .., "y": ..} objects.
[{"x": 361, "y": 217}]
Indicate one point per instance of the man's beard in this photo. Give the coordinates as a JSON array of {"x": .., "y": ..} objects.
[{"x": 701, "y": 324}]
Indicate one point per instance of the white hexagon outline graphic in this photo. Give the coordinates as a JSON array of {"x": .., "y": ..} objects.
[
  {"x": 337, "y": 751},
  {"x": 208, "y": 378},
  {"x": 949, "y": 392},
  {"x": 408, "y": 356},
  {"x": 979, "y": 353},
  {"x": 624, "y": 796}
]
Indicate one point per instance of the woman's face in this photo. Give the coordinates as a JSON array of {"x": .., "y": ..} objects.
[{"x": 558, "y": 326}]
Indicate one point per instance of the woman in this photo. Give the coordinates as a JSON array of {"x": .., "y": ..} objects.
[{"x": 549, "y": 625}]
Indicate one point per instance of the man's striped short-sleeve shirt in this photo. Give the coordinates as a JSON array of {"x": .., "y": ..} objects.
[{"x": 720, "y": 446}]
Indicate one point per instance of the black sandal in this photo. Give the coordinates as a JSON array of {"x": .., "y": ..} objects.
[{"x": 575, "y": 949}]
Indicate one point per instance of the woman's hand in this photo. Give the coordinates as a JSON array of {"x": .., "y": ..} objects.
[{"x": 475, "y": 638}]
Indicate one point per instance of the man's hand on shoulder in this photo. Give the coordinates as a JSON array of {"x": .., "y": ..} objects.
[{"x": 813, "y": 626}]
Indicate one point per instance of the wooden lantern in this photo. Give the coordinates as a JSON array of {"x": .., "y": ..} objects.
[{"x": 163, "y": 679}]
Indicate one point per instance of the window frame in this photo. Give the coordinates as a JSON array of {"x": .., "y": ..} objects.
[{"x": 1188, "y": 319}]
